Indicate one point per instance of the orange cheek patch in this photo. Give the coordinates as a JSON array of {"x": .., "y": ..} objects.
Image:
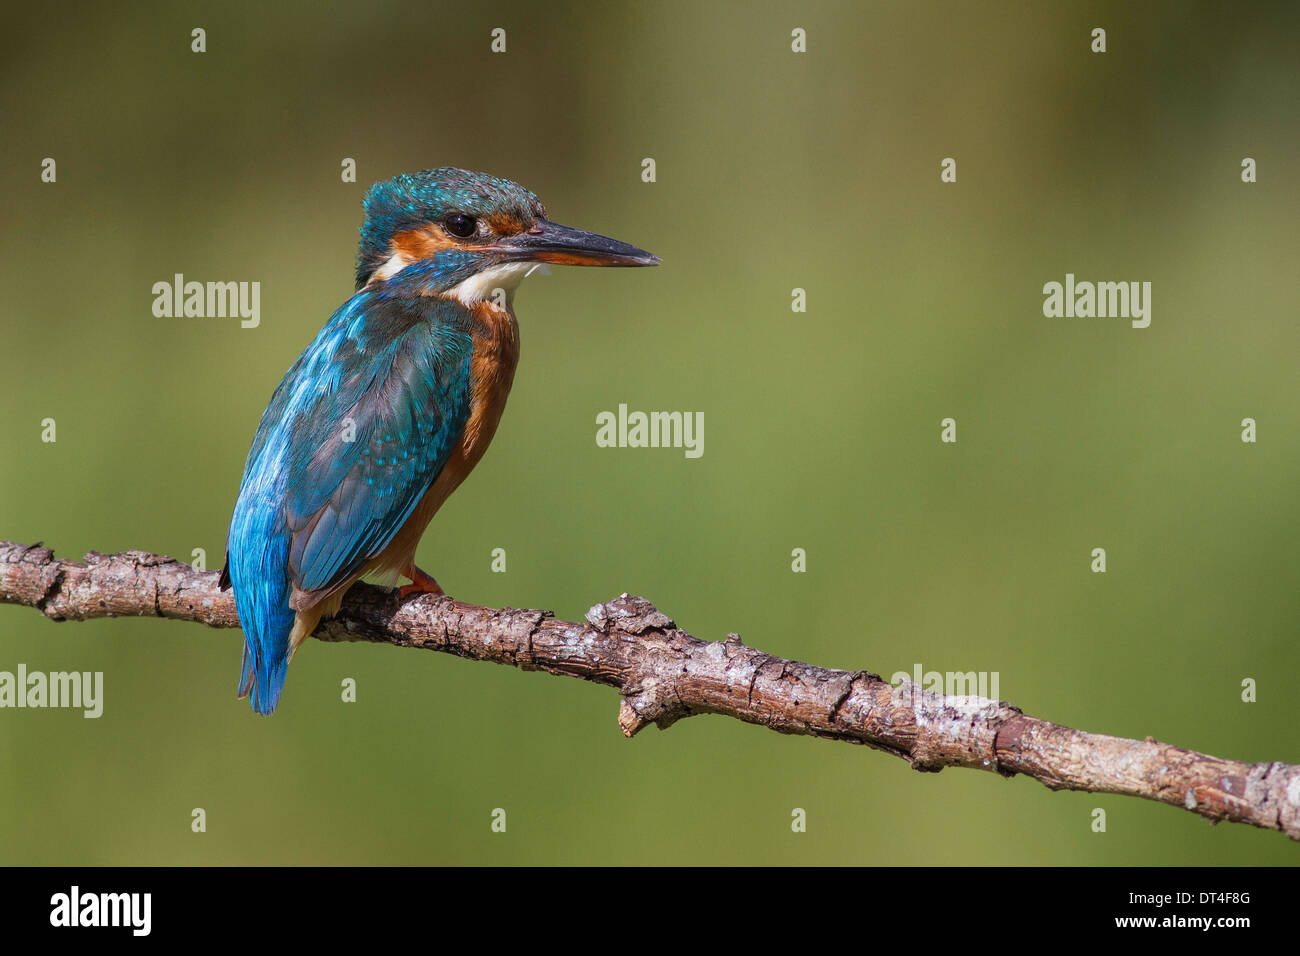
[{"x": 422, "y": 243}]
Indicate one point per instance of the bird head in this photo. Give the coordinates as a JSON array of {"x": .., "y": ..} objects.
[{"x": 460, "y": 233}]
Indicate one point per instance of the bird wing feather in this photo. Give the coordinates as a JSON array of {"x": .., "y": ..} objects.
[{"x": 358, "y": 430}]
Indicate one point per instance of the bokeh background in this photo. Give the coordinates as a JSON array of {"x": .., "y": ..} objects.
[{"x": 775, "y": 171}]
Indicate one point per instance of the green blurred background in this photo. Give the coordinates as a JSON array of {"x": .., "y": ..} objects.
[{"x": 775, "y": 171}]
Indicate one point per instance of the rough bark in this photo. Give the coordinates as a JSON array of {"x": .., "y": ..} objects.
[{"x": 665, "y": 674}]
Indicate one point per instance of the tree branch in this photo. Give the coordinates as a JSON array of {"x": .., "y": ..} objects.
[{"x": 664, "y": 674}]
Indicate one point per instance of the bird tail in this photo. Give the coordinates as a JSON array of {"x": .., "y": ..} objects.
[
  {"x": 262, "y": 592},
  {"x": 263, "y": 689}
]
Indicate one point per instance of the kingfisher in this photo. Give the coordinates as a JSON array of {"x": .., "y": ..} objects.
[{"x": 390, "y": 407}]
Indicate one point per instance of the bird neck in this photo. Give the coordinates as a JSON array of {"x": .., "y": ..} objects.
[
  {"x": 454, "y": 274},
  {"x": 484, "y": 295},
  {"x": 496, "y": 333}
]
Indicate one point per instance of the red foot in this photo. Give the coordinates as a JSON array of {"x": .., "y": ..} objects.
[{"x": 421, "y": 583}]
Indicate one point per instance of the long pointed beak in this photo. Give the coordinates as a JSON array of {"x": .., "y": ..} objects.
[{"x": 565, "y": 246}]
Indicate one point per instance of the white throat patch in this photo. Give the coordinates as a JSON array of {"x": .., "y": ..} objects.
[{"x": 483, "y": 285}]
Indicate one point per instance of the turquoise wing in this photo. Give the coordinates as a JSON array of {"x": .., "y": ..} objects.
[{"x": 354, "y": 435}]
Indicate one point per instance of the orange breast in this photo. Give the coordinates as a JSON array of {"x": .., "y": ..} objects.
[{"x": 492, "y": 372}]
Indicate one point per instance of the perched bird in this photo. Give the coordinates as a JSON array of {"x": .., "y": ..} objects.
[{"x": 390, "y": 407}]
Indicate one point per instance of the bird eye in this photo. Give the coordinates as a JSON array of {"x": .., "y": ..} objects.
[{"x": 460, "y": 225}]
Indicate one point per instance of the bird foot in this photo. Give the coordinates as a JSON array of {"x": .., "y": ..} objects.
[{"x": 421, "y": 583}]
